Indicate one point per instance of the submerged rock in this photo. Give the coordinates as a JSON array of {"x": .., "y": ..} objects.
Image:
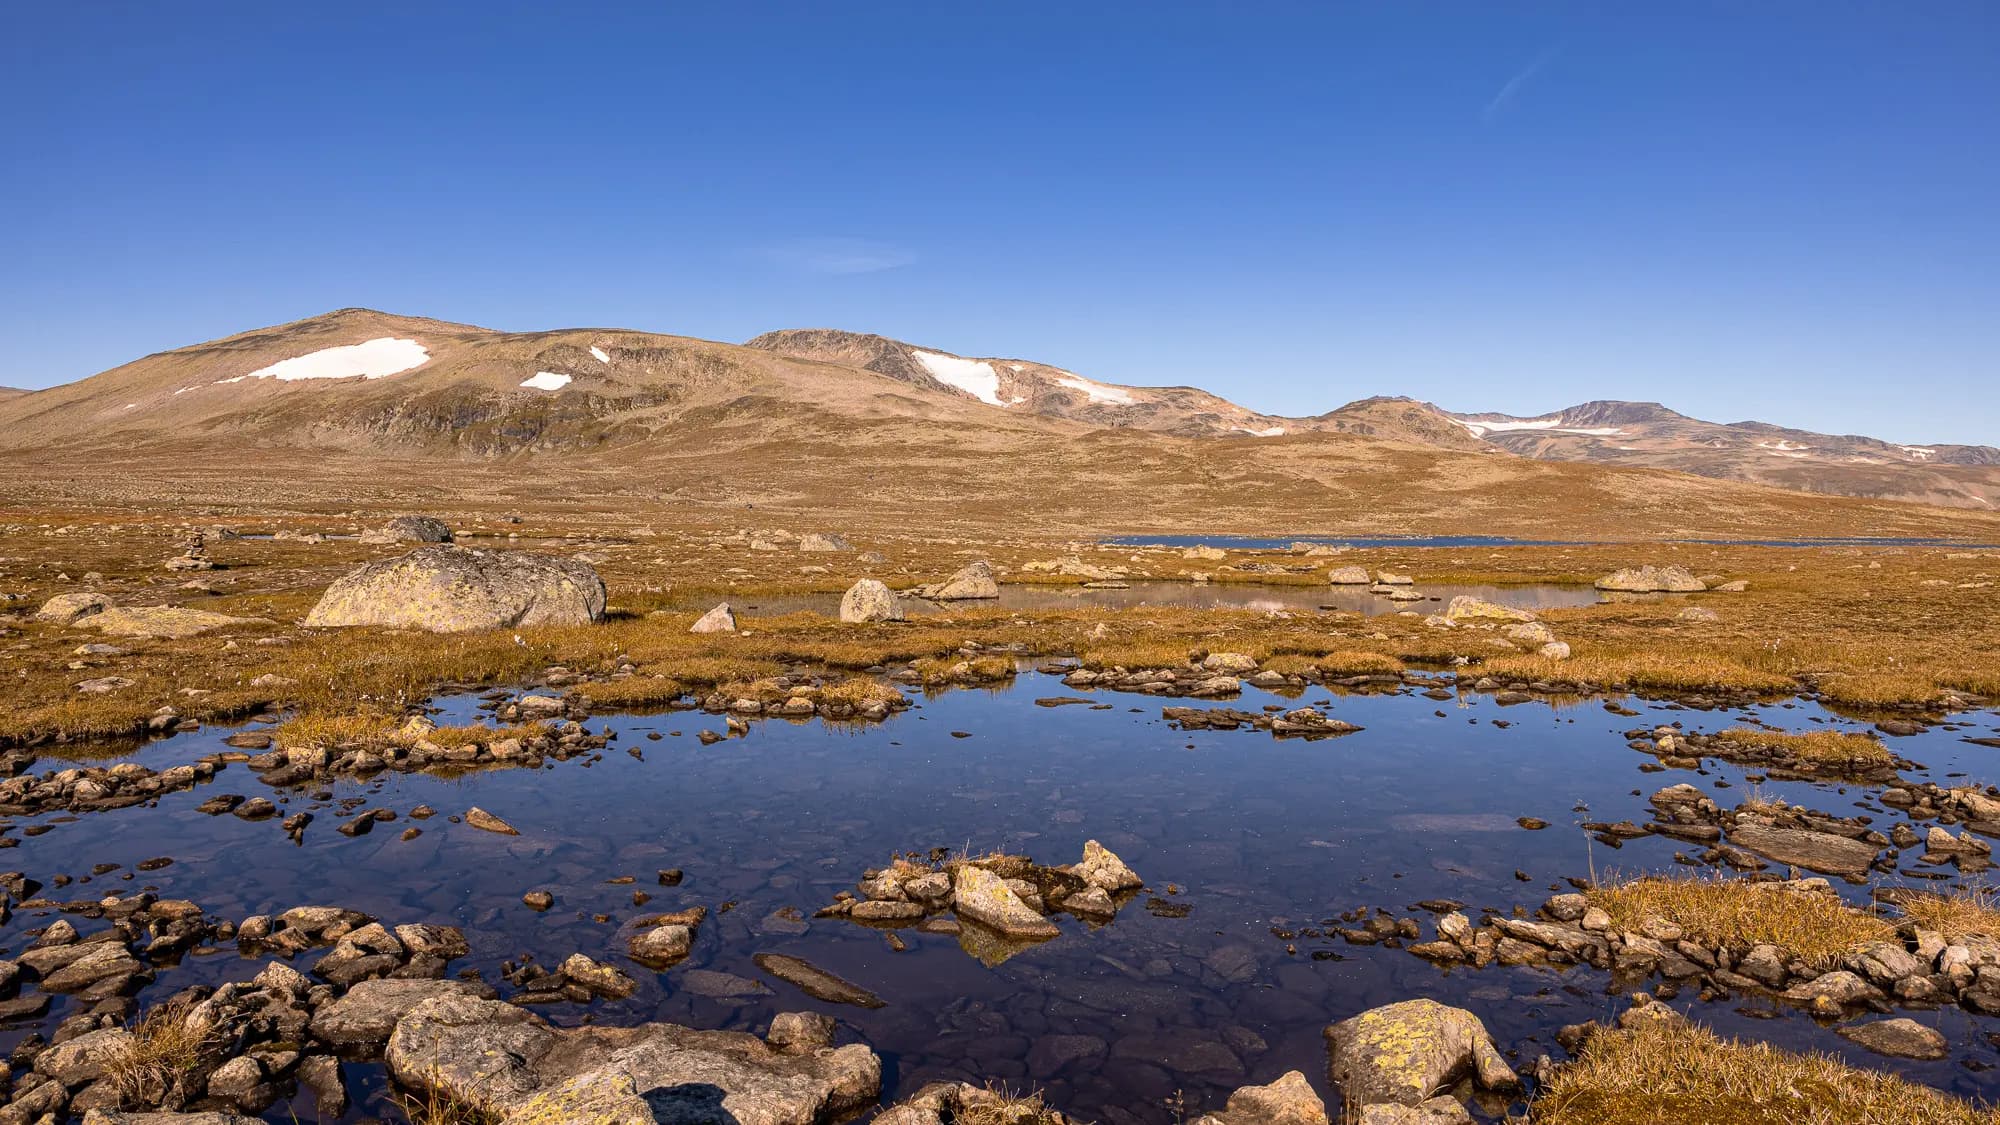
[
  {"x": 1902, "y": 1038},
  {"x": 816, "y": 982},
  {"x": 514, "y": 1065},
  {"x": 450, "y": 589}
]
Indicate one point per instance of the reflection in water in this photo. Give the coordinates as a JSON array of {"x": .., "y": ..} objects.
[{"x": 1262, "y": 834}]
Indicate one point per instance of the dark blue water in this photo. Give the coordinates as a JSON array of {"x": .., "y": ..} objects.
[{"x": 1260, "y": 833}]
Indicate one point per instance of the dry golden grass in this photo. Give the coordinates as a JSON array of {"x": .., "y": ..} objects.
[
  {"x": 634, "y": 692},
  {"x": 168, "y": 1046},
  {"x": 1827, "y": 747},
  {"x": 1716, "y": 911},
  {"x": 951, "y": 668},
  {"x": 1972, "y": 911},
  {"x": 1820, "y": 617},
  {"x": 1677, "y": 1074},
  {"x": 996, "y": 1106}
]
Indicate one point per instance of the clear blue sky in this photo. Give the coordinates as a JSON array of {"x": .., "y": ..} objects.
[{"x": 1786, "y": 211}]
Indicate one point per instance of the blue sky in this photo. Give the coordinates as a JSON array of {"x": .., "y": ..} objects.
[{"x": 1784, "y": 211}]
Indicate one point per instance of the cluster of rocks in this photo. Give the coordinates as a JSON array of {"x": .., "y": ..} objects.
[
  {"x": 1010, "y": 895},
  {"x": 1916, "y": 967},
  {"x": 410, "y": 751},
  {"x": 1299, "y": 722},
  {"x": 195, "y": 557},
  {"x": 1210, "y": 679},
  {"x": 91, "y": 788},
  {"x": 1679, "y": 749},
  {"x": 1517, "y": 628},
  {"x": 801, "y": 699},
  {"x": 1831, "y": 845},
  {"x": 242, "y": 1045}
]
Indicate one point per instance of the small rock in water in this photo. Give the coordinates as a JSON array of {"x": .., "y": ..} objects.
[{"x": 481, "y": 819}]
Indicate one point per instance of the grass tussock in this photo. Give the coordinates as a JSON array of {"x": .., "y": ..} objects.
[
  {"x": 1672, "y": 1074},
  {"x": 635, "y": 691},
  {"x": 1827, "y": 747},
  {"x": 1714, "y": 911},
  {"x": 168, "y": 1048},
  {"x": 1972, "y": 911},
  {"x": 996, "y": 1106},
  {"x": 953, "y": 669}
]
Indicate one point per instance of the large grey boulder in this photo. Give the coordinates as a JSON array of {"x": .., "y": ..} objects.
[
  {"x": 827, "y": 541},
  {"x": 1403, "y": 1054},
  {"x": 512, "y": 1064},
  {"x": 458, "y": 589},
  {"x": 1348, "y": 576},
  {"x": 1823, "y": 852},
  {"x": 971, "y": 583},
  {"x": 869, "y": 600},
  {"x": 1465, "y": 607},
  {"x": 364, "y": 1017},
  {"x": 721, "y": 619},
  {"x": 1652, "y": 579},
  {"x": 411, "y": 529}
]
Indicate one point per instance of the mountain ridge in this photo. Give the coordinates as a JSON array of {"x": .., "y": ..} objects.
[{"x": 360, "y": 379}]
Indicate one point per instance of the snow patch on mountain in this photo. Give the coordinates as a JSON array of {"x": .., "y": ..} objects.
[
  {"x": 547, "y": 381},
  {"x": 1274, "y": 431},
  {"x": 371, "y": 359},
  {"x": 1552, "y": 425},
  {"x": 1098, "y": 392},
  {"x": 975, "y": 377},
  {"x": 599, "y": 355}
]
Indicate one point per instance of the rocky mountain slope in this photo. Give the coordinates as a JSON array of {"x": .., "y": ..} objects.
[
  {"x": 1649, "y": 434},
  {"x": 1628, "y": 433},
  {"x": 359, "y": 403}
]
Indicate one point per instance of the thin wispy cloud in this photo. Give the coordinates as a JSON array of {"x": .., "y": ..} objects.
[
  {"x": 1514, "y": 85},
  {"x": 837, "y": 255}
]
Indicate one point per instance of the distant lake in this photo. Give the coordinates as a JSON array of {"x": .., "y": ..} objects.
[{"x": 1254, "y": 543}]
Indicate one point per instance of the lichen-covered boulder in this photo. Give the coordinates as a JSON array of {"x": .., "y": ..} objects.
[
  {"x": 1405, "y": 1053},
  {"x": 869, "y": 600},
  {"x": 1652, "y": 579},
  {"x": 170, "y": 622},
  {"x": 68, "y": 609},
  {"x": 458, "y": 590},
  {"x": 983, "y": 897},
  {"x": 1465, "y": 607},
  {"x": 1348, "y": 576},
  {"x": 514, "y": 1066}
]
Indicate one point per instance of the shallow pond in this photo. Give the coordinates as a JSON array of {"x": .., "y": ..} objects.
[
  {"x": 1113, "y": 1021},
  {"x": 1138, "y": 594}
]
